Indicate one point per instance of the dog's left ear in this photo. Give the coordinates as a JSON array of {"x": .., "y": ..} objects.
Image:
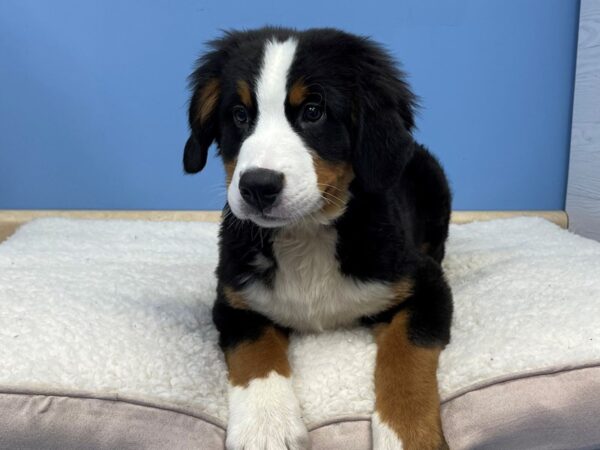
[
  {"x": 205, "y": 83},
  {"x": 203, "y": 125},
  {"x": 384, "y": 120}
]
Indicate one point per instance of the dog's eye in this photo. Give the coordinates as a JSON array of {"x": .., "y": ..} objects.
[
  {"x": 312, "y": 112},
  {"x": 240, "y": 115}
]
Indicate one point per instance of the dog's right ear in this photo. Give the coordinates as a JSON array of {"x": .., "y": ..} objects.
[{"x": 203, "y": 111}]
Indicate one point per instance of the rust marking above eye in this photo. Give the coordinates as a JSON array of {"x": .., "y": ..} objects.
[
  {"x": 298, "y": 93},
  {"x": 243, "y": 90},
  {"x": 207, "y": 99}
]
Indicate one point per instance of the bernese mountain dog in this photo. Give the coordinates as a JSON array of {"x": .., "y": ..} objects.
[{"x": 335, "y": 217}]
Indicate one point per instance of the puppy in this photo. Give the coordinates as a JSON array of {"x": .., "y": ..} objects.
[{"x": 335, "y": 217}]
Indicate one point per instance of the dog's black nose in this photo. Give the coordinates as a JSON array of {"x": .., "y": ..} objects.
[{"x": 260, "y": 187}]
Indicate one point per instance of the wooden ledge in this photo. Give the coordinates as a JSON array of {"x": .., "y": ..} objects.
[{"x": 11, "y": 219}]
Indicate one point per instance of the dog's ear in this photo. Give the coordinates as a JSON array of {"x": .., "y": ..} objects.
[
  {"x": 205, "y": 83},
  {"x": 384, "y": 119}
]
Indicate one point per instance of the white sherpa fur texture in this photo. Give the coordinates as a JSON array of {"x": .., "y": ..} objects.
[{"x": 123, "y": 308}]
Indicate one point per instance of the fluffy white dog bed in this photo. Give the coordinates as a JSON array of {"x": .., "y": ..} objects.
[{"x": 106, "y": 341}]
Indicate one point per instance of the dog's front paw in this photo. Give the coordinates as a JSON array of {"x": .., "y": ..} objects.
[
  {"x": 419, "y": 437},
  {"x": 384, "y": 438},
  {"x": 265, "y": 415}
]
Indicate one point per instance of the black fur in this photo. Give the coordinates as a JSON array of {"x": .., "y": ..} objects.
[
  {"x": 429, "y": 308},
  {"x": 396, "y": 222}
]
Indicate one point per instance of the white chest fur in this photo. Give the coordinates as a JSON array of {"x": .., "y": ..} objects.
[{"x": 309, "y": 293}]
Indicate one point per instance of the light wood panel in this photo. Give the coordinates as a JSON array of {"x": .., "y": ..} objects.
[
  {"x": 10, "y": 220},
  {"x": 560, "y": 218},
  {"x": 583, "y": 190}
]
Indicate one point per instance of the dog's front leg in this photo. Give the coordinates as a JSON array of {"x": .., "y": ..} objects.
[
  {"x": 409, "y": 342},
  {"x": 263, "y": 410},
  {"x": 407, "y": 404}
]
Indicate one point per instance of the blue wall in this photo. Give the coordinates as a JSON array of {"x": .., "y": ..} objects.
[{"x": 93, "y": 94}]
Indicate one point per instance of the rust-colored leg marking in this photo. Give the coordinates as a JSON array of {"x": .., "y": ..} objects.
[
  {"x": 256, "y": 359},
  {"x": 406, "y": 390}
]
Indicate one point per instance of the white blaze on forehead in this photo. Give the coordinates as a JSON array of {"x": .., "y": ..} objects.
[
  {"x": 271, "y": 88},
  {"x": 274, "y": 144}
]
